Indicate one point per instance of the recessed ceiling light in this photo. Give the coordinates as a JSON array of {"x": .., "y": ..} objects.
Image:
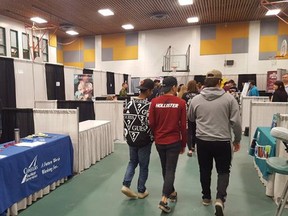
[
  {"x": 273, "y": 12},
  {"x": 185, "y": 2},
  {"x": 38, "y": 20},
  {"x": 193, "y": 20},
  {"x": 72, "y": 32},
  {"x": 106, "y": 12},
  {"x": 128, "y": 26}
]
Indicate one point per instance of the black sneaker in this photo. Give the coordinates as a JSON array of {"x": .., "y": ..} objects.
[
  {"x": 164, "y": 207},
  {"x": 219, "y": 206},
  {"x": 173, "y": 197}
]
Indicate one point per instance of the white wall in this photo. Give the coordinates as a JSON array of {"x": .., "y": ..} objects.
[
  {"x": 154, "y": 44},
  {"x": 11, "y": 24}
]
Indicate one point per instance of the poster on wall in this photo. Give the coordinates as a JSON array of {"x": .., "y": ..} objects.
[
  {"x": 83, "y": 87},
  {"x": 271, "y": 78}
]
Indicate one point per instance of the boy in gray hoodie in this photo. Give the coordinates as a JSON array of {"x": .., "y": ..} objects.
[{"x": 215, "y": 113}]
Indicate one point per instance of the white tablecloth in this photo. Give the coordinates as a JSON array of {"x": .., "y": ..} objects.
[
  {"x": 95, "y": 142},
  {"x": 13, "y": 210},
  {"x": 111, "y": 111}
]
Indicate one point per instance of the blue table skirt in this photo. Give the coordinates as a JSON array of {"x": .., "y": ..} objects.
[
  {"x": 27, "y": 170},
  {"x": 263, "y": 146}
]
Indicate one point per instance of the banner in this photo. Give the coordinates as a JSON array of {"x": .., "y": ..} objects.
[
  {"x": 83, "y": 87},
  {"x": 271, "y": 78}
]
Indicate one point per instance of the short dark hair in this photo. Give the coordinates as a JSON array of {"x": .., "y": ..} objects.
[
  {"x": 252, "y": 82},
  {"x": 212, "y": 82}
]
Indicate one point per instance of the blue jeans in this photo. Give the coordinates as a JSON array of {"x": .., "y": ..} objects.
[{"x": 139, "y": 156}]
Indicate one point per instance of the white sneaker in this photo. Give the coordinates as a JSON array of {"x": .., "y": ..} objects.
[
  {"x": 143, "y": 195},
  {"x": 128, "y": 192}
]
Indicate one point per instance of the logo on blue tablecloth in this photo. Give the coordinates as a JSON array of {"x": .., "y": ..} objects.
[{"x": 30, "y": 172}]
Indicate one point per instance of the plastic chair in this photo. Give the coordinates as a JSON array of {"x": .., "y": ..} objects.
[{"x": 280, "y": 165}]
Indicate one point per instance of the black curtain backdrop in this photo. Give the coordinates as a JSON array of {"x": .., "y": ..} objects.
[
  {"x": 200, "y": 78},
  {"x": 242, "y": 78},
  {"x": 7, "y": 83},
  {"x": 110, "y": 83},
  {"x": 55, "y": 75},
  {"x": 87, "y": 71},
  {"x": 86, "y": 108},
  {"x": 16, "y": 118}
]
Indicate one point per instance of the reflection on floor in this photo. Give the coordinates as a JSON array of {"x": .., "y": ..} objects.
[{"x": 97, "y": 190}]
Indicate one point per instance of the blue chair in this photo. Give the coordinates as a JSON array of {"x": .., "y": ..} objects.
[{"x": 280, "y": 165}]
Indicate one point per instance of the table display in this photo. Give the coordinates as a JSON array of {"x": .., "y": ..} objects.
[
  {"x": 28, "y": 167},
  {"x": 95, "y": 142},
  {"x": 263, "y": 146}
]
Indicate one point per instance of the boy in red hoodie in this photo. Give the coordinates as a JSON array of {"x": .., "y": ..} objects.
[{"x": 167, "y": 119}]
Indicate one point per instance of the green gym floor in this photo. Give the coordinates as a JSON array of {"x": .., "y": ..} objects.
[{"x": 96, "y": 191}]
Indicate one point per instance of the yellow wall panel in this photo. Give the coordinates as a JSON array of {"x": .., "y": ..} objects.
[
  {"x": 78, "y": 44},
  {"x": 110, "y": 41},
  {"x": 268, "y": 43},
  {"x": 52, "y": 40},
  {"x": 59, "y": 56},
  {"x": 75, "y": 64},
  {"x": 235, "y": 30},
  {"x": 127, "y": 53},
  {"x": 89, "y": 55},
  {"x": 282, "y": 28},
  {"x": 212, "y": 47}
]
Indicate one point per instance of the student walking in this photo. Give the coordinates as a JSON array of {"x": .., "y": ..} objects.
[
  {"x": 215, "y": 113},
  {"x": 167, "y": 119},
  {"x": 139, "y": 138}
]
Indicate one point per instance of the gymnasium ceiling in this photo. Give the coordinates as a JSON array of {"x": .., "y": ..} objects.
[{"x": 83, "y": 17}]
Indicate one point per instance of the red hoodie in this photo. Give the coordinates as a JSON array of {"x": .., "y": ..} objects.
[{"x": 167, "y": 119}]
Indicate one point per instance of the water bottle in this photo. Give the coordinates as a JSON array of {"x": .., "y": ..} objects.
[{"x": 17, "y": 135}]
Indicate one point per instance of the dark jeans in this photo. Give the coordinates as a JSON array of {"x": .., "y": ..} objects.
[
  {"x": 169, "y": 157},
  {"x": 191, "y": 135},
  {"x": 139, "y": 156},
  {"x": 221, "y": 152}
]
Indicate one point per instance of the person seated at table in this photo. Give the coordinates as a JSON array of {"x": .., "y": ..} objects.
[{"x": 279, "y": 95}]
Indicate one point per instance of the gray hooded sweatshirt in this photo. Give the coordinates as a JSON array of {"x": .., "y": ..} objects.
[{"x": 215, "y": 113}]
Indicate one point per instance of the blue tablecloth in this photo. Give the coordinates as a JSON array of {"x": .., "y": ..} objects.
[
  {"x": 262, "y": 147},
  {"x": 26, "y": 170}
]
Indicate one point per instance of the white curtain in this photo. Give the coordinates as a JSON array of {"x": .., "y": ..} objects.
[
  {"x": 100, "y": 83},
  {"x": 111, "y": 111},
  {"x": 245, "y": 108},
  {"x": 69, "y": 81},
  {"x": 24, "y": 82},
  {"x": 261, "y": 114},
  {"x": 119, "y": 79},
  {"x": 60, "y": 121},
  {"x": 40, "y": 88},
  {"x": 48, "y": 104}
]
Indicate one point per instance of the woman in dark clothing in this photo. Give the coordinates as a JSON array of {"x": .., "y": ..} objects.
[
  {"x": 192, "y": 90},
  {"x": 280, "y": 94}
]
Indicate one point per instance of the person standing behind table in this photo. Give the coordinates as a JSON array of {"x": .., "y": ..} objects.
[
  {"x": 279, "y": 95},
  {"x": 139, "y": 139},
  {"x": 253, "y": 90},
  {"x": 167, "y": 119},
  {"x": 216, "y": 113},
  {"x": 285, "y": 81},
  {"x": 191, "y": 132},
  {"x": 123, "y": 91}
]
